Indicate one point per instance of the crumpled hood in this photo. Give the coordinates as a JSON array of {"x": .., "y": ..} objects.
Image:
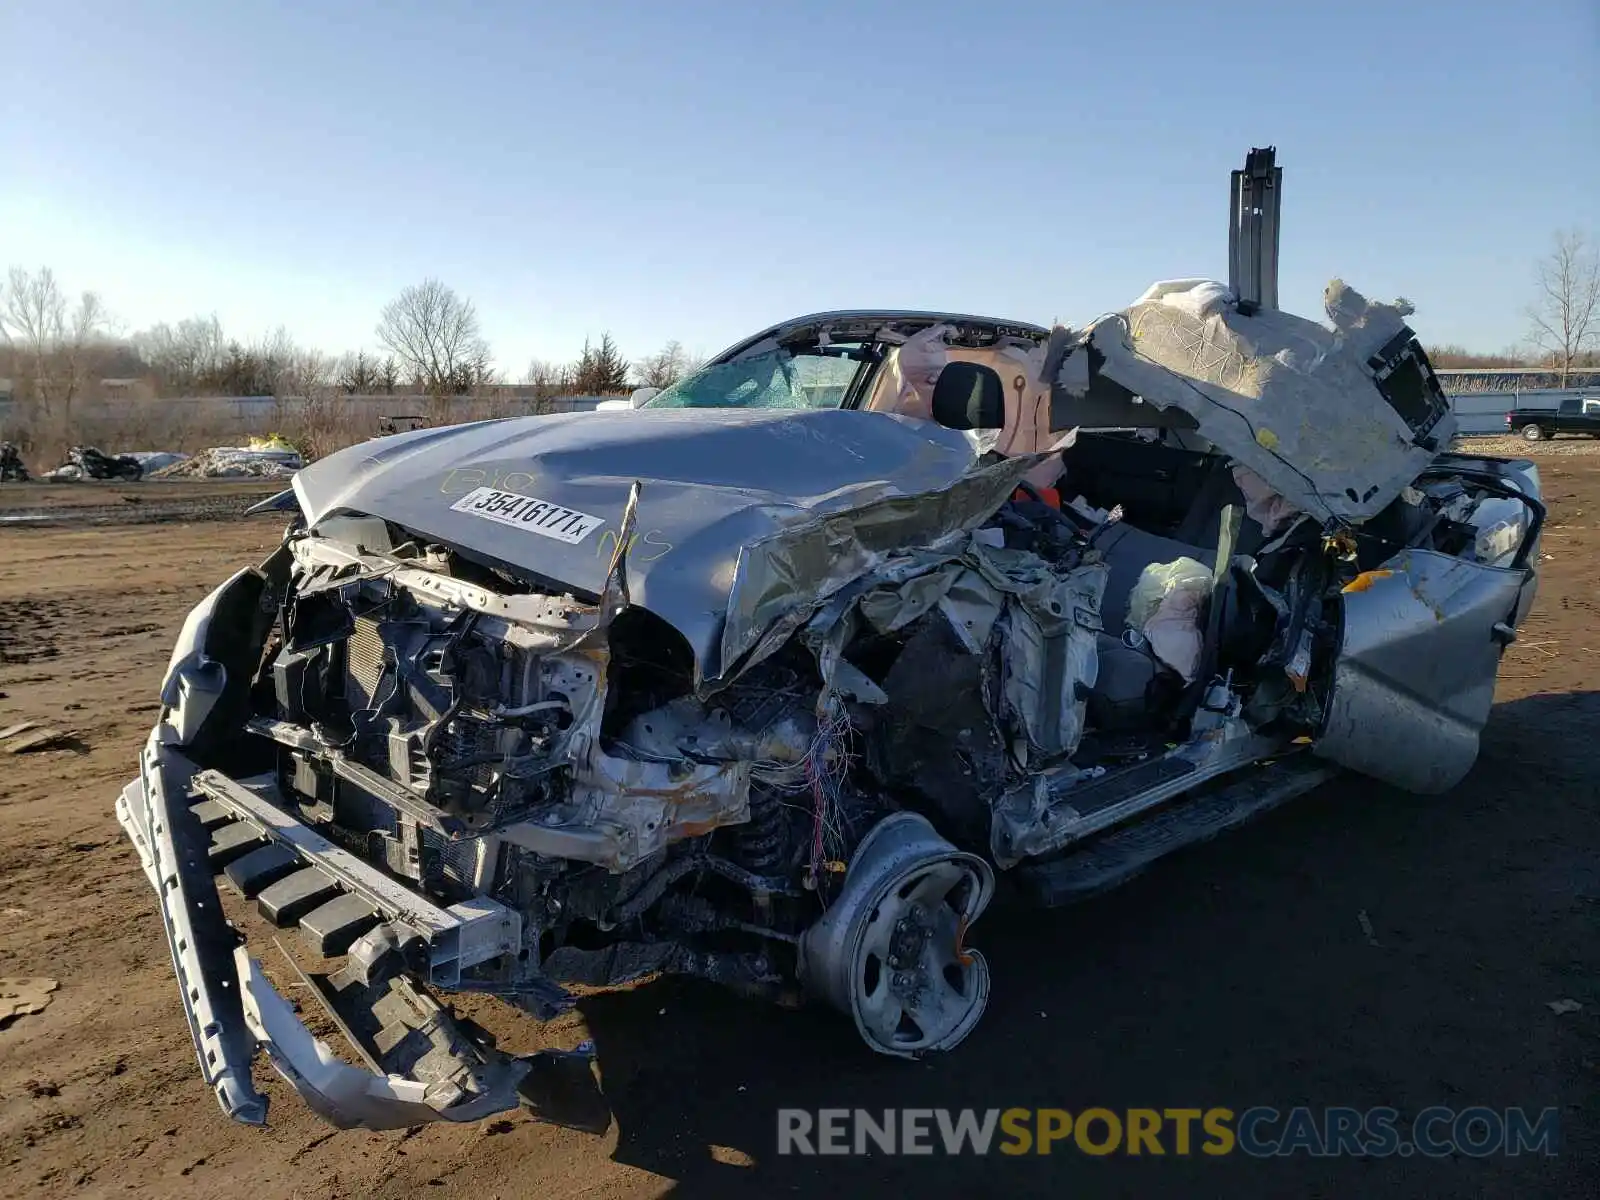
[{"x": 737, "y": 509}]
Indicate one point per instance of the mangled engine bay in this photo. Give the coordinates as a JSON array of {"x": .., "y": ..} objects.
[{"x": 783, "y": 744}]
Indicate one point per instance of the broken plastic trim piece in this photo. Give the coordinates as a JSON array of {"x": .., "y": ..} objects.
[
  {"x": 1058, "y": 808},
  {"x": 230, "y": 1006},
  {"x": 351, "y": 1097},
  {"x": 194, "y": 681},
  {"x": 172, "y": 849}
]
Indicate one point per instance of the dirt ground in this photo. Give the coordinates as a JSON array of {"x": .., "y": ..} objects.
[
  {"x": 150, "y": 503},
  {"x": 1236, "y": 974}
]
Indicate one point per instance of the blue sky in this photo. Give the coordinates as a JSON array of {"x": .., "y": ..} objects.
[{"x": 697, "y": 170}]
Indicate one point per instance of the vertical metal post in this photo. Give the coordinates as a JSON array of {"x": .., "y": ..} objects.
[{"x": 1255, "y": 199}]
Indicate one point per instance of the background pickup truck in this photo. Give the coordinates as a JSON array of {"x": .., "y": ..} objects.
[{"x": 1575, "y": 414}]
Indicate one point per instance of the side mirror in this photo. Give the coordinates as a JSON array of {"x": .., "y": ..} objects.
[
  {"x": 640, "y": 395},
  {"x": 969, "y": 396}
]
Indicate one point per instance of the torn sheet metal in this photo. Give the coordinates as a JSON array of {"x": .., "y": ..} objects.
[
  {"x": 1336, "y": 419},
  {"x": 781, "y": 580},
  {"x": 1414, "y": 678},
  {"x": 1044, "y": 622},
  {"x": 1049, "y": 648}
]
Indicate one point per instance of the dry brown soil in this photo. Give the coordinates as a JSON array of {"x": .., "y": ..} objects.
[{"x": 1235, "y": 974}]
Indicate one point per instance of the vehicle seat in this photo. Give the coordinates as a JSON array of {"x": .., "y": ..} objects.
[
  {"x": 969, "y": 395},
  {"x": 1202, "y": 523}
]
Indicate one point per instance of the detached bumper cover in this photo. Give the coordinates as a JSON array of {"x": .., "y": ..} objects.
[
  {"x": 172, "y": 850},
  {"x": 233, "y": 1010},
  {"x": 347, "y": 1096}
]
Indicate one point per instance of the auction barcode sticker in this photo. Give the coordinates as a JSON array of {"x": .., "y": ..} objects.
[{"x": 530, "y": 513}]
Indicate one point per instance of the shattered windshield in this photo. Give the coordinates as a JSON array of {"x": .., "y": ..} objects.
[{"x": 776, "y": 379}]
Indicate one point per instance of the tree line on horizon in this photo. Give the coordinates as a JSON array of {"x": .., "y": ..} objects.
[{"x": 56, "y": 348}]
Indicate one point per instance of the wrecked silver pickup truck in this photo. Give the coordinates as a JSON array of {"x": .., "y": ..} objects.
[{"x": 765, "y": 681}]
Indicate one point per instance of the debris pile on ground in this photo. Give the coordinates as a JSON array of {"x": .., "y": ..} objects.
[
  {"x": 90, "y": 462},
  {"x": 235, "y": 462},
  {"x": 12, "y": 468}
]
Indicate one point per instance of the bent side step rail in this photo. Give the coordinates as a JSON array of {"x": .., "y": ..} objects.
[{"x": 1119, "y": 856}]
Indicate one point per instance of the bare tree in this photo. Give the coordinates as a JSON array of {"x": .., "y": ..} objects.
[
  {"x": 187, "y": 358},
  {"x": 663, "y": 368},
  {"x": 1564, "y": 320},
  {"x": 435, "y": 335},
  {"x": 279, "y": 366},
  {"x": 360, "y": 373},
  {"x": 276, "y": 353},
  {"x": 1453, "y": 356},
  {"x": 306, "y": 373},
  {"x": 51, "y": 340},
  {"x": 548, "y": 376},
  {"x": 548, "y": 380}
]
